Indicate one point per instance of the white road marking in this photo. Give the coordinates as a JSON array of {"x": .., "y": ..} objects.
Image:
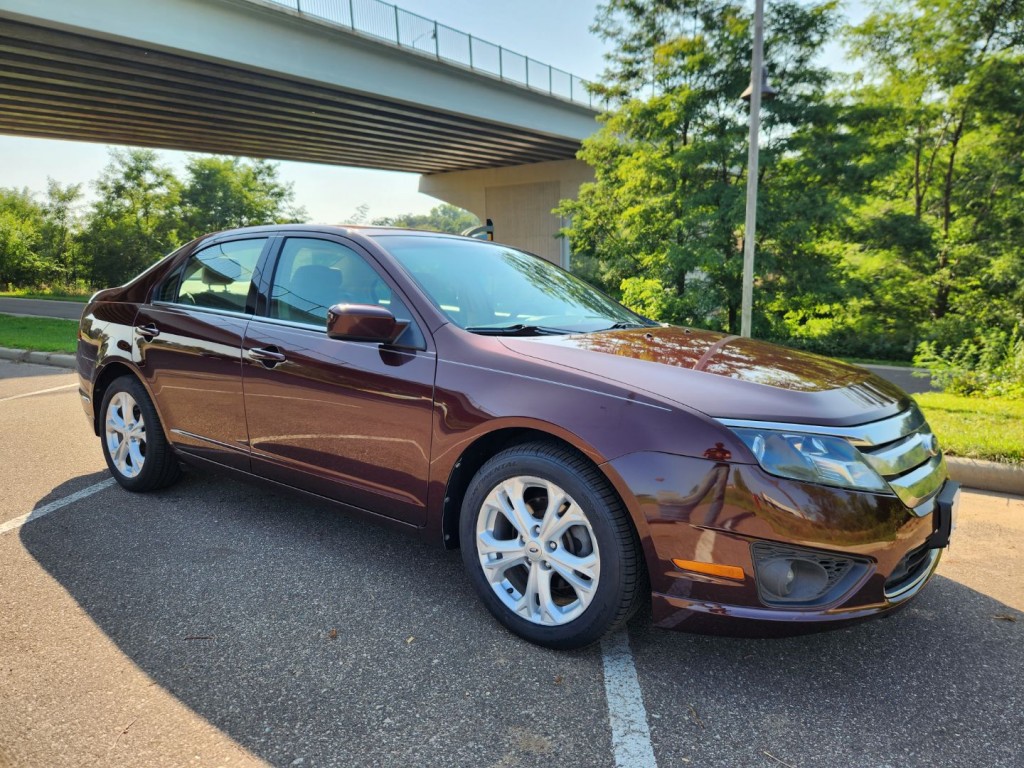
[
  {"x": 53, "y": 506},
  {"x": 37, "y": 392},
  {"x": 631, "y": 738}
]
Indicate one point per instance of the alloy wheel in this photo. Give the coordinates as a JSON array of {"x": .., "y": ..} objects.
[
  {"x": 537, "y": 550},
  {"x": 126, "y": 434}
]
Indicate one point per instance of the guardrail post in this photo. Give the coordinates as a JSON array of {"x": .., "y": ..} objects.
[
  {"x": 351, "y": 15},
  {"x": 501, "y": 63},
  {"x": 570, "y": 87},
  {"x": 398, "y": 36},
  {"x": 470, "y": 51},
  {"x": 551, "y": 80},
  {"x": 437, "y": 43},
  {"x": 527, "y": 71},
  {"x": 298, "y": 6}
]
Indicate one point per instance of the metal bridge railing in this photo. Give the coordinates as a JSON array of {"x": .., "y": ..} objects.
[{"x": 410, "y": 30}]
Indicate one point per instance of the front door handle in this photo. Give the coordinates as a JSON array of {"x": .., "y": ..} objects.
[
  {"x": 269, "y": 356},
  {"x": 148, "y": 331}
]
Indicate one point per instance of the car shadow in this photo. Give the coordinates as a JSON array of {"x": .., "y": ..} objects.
[
  {"x": 937, "y": 683},
  {"x": 305, "y": 633},
  {"x": 302, "y": 632}
]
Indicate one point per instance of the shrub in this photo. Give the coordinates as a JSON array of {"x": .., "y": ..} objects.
[{"x": 991, "y": 365}]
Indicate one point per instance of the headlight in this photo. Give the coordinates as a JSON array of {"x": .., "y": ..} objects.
[{"x": 814, "y": 458}]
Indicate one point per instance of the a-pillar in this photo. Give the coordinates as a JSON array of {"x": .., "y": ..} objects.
[{"x": 519, "y": 199}]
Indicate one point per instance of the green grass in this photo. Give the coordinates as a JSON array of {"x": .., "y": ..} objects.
[
  {"x": 39, "y": 333},
  {"x": 991, "y": 428},
  {"x": 27, "y": 293}
]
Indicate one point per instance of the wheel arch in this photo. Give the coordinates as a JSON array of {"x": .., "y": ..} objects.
[
  {"x": 484, "y": 447},
  {"x": 112, "y": 370}
]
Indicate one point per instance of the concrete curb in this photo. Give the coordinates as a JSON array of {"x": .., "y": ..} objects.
[
  {"x": 39, "y": 358},
  {"x": 987, "y": 475}
]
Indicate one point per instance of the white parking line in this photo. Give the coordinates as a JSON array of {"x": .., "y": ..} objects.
[
  {"x": 631, "y": 738},
  {"x": 46, "y": 509},
  {"x": 37, "y": 392}
]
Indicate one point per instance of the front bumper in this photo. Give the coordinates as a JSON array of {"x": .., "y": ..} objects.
[{"x": 713, "y": 512}]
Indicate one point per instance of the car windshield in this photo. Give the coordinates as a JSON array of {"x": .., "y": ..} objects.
[{"x": 494, "y": 289}]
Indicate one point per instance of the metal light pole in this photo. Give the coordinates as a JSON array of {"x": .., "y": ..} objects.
[{"x": 758, "y": 84}]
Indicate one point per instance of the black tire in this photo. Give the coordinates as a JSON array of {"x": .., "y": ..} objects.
[
  {"x": 621, "y": 584},
  {"x": 158, "y": 466}
]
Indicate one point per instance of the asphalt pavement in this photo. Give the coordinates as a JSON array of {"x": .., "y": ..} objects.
[
  {"x": 68, "y": 310},
  {"x": 218, "y": 623}
]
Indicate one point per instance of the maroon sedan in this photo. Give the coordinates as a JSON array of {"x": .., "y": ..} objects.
[{"x": 581, "y": 456}]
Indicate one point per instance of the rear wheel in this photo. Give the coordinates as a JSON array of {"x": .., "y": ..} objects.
[
  {"x": 134, "y": 445},
  {"x": 549, "y": 547}
]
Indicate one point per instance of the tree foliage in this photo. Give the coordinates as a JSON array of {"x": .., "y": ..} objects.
[
  {"x": 141, "y": 212},
  {"x": 133, "y": 221},
  {"x": 442, "y": 218},
  {"x": 890, "y": 206},
  {"x": 662, "y": 225},
  {"x": 226, "y": 192}
]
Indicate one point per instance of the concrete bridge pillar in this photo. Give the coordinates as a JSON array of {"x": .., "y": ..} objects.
[{"x": 519, "y": 200}]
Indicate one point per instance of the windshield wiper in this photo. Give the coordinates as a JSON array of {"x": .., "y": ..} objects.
[
  {"x": 624, "y": 325},
  {"x": 519, "y": 329}
]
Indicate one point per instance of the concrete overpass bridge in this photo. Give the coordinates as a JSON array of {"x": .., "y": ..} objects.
[{"x": 343, "y": 82}]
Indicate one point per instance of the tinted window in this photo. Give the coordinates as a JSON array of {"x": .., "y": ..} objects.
[
  {"x": 312, "y": 275},
  {"x": 218, "y": 277}
]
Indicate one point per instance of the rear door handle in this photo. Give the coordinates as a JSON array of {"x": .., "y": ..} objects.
[
  {"x": 269, "y": 356},
  {"x": 148, "y": 331}
]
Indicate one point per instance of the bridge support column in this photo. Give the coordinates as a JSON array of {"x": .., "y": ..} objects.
[{"x": 519, "y": 200}]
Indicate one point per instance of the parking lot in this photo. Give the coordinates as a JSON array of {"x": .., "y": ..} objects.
[{"x": 218, "y": 623}]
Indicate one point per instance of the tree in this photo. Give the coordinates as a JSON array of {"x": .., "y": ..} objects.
[
  {"x": 946, "y": 221},
  {"x": 134, "y": 220},
  {"x": 442, "y": 218},
  {"x": 227, "y": 192},
  {"x": 661, "y": 226},
  {"x": 21, "y": 221},
  {"x": 60, "y": 244}
]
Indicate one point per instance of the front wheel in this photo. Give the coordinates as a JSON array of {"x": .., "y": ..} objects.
[
  {"x": 549, "y": 547},
  {"x": 134, "y": 445}
]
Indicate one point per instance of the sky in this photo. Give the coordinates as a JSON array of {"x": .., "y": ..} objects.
[{"x": 555, "y": 32}]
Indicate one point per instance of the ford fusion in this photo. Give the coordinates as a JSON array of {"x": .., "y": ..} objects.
[{"x": 583, "y": 458}]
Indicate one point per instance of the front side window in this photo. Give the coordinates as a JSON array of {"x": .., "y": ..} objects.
[
  {"x": 219, "y": 276},
  {"x": 312, "y": 275}
]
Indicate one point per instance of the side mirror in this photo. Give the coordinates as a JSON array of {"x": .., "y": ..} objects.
[{"x": 363, "y": 322}]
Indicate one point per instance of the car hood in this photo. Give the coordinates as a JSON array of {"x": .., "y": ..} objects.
[{"x": 723, "y": 376}]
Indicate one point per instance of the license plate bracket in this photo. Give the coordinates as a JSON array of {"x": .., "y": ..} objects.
[{"x": 945, "y": 515}]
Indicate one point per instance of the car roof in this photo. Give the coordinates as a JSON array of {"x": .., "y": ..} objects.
[{"x": 367, "y": 230}]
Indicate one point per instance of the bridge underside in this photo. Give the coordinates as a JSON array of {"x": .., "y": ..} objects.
[{"x": 65, "y": 85}]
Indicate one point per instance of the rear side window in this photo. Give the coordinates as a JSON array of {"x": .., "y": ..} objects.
[{"x": 219, "y": 277}]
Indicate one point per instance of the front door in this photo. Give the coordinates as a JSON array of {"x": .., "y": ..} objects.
[{"x": 348, "y": 420}]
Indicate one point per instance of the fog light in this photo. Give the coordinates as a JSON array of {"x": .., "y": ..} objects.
[
  {"x": 777, "y": 577},
  {"x": 802, "y": 578}
]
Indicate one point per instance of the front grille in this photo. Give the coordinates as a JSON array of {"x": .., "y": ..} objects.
[{"x": 904, "y": 451}]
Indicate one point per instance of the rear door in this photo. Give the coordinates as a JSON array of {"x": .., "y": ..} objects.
[
  {"x": 348, "y": 420},
  {"x": 189, "y": 341}
]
